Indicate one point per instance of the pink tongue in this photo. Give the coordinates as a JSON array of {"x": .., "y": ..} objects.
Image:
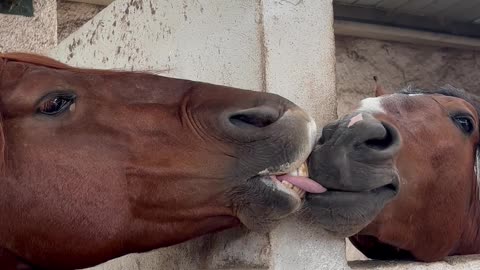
[{"x": 304, "y": 183}]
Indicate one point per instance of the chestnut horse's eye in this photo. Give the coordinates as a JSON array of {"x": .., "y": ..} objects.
[
  {"x": 465, "y": 123},
  {"x": 53, "y": 105}
]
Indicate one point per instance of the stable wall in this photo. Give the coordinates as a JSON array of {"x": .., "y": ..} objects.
[
  {"x": 398, "y": 65},
  {"x": 242, "y": 43},
  {"x": 30, "y": 34}
]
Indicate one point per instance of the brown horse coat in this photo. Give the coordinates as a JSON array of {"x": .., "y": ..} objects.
[
  {"x": 98, "y": 164},
  {"x": 408, "y": 178}
]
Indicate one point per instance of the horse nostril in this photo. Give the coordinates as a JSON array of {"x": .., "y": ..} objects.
[
  {"x": 259, "y": 117},
  {"x": 390, "y": 138},
  {"x": 392, "y": 187}
]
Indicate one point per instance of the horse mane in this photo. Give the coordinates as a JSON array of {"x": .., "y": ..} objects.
[
  {"x": 45, "y": 61},
  {"x": 35, "y": 59}
]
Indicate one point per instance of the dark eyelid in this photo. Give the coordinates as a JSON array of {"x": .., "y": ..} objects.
[
  {"x": 66, "y": 95},
  {"x": 63, "y": 94},
  {"x": 460, "y": 114},
  {"x": 455, "y": 115}
]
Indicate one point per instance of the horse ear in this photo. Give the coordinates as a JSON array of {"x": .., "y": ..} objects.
[{"x": 379, "y": 90}]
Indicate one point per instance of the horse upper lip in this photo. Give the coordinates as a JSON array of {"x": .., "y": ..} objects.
[{"x": 288, "y": 168}]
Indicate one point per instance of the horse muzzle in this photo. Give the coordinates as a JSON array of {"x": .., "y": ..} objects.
[{"x": 355, "y": 161}]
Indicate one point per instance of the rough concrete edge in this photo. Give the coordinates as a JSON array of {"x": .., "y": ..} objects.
[
  {"x": 77, "y": 32},
  {"x": 94, "y": 2},
  {"x": 454, "y": 261}
]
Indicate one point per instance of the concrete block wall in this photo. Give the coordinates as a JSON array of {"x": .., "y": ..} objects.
[
  {"x": 250, "y": 44},
  {"x": 398, "y": 65},
  {"x": 30, "y": 34}
]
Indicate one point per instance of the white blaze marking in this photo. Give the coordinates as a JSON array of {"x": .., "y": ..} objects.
[
  {"x": 355, "y": 119},
  {"x": 372, "y": 105}
]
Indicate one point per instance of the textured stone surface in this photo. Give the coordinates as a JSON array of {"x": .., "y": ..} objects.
[
  {"x": 30, "y": 34},
  {"x": 303, "y": 246},
  {"x": 302, "y": 68},
  {"x": 189, "y": 39},
  {"x": 96, "y": 2},
  {"x": 72, "y": 15},
  {"x": 471, "y": 262},
  {"x": 398, "y": 65},
  {"x": 232, "y": 249}
]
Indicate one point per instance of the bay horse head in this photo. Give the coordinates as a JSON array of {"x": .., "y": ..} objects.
[
  {"x": 97, "y": 164},
  {"x": 402, "y": 176}
]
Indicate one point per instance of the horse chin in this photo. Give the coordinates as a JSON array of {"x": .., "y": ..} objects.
[
  {"x": 345, "y": 213},
  {"x": 266, "y": 199}
]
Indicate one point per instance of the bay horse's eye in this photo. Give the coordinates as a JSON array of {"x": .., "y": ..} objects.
[
  {"x": 465, "y": 123},
  {"x": 56, "y": 104}
]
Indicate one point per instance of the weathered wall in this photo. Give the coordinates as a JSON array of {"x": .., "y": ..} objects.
[
  {"x": 302, "y": 68},
  {"x": 72, "y": 15},
  {"x": 30, "y": 34},
  {"x": 398, "y": 65},
  {"x": 470, "y": 262},
  {"x": 359, "y": 59},
  {"x": 250, "y": 44}
]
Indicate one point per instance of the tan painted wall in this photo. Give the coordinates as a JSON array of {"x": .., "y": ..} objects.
[
  {"x": 398, "y": 65},
  {"x": 30, "y": 34}
]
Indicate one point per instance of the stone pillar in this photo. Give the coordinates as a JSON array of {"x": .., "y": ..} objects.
[
  {"x": 280, "y": 46},
  {"x": 36, "y": 34},
  {"x": 300, "y": 65}
]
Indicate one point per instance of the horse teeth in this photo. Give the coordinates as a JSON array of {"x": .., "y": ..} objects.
[
  {"x": 300, "y": 192},
  {"x": 293, "y": 173},
  {"x": 303, "y": 170},
  {"x": 287, "y": 184}
]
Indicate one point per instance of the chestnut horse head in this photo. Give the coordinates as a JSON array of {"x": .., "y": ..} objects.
[
  {"x": 97, "y": 164},
  {"x": 402, "y": 173}
]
